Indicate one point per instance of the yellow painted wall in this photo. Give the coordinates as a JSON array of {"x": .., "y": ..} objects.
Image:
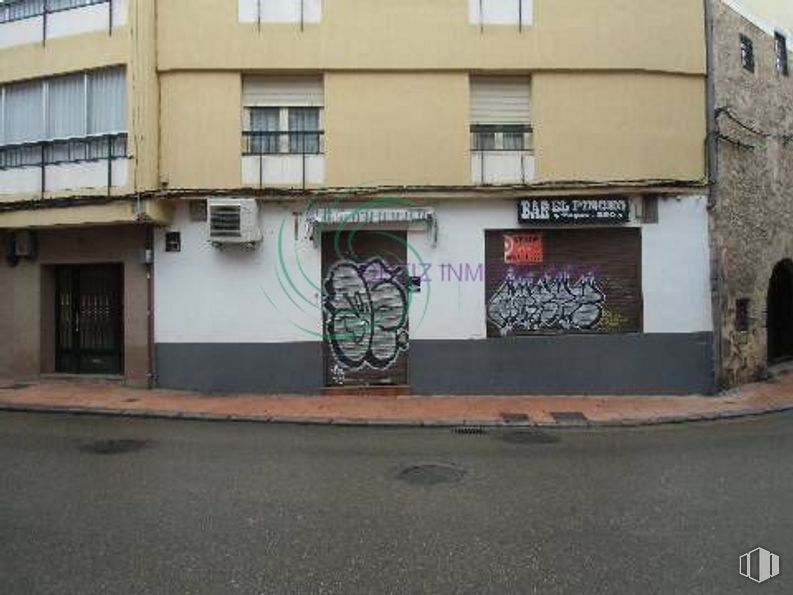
[
  {"x": 396, "y": 128},
  {"x": 64, "y": 55},
  {"x": 144, "y": 94},
  {"x": 619, "y": 126},
  {"x": 436, "y": 34},
  {"x": 201, "y": 129}
]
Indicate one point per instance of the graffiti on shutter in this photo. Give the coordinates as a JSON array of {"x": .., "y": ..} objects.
[
  {"x": 587, "y": 281},
  {"x": 365, "y": 311}
]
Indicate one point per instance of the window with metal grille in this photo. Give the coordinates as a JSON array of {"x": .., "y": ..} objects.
[
  {"x": 69, "y": 118},
  {"x": 747, "y": 53},
  {"x": 781, "y": 54},
  {"x": 283, "y": 115},
  {"x": 15, "y": 10}
]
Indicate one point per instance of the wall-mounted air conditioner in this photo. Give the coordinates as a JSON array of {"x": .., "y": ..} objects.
[{"x": 233, "y": 221}]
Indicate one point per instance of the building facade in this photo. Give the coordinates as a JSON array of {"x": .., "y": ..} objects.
[
  {"x": 752, "y": 175},
  {"x": 449, "y": 197}
]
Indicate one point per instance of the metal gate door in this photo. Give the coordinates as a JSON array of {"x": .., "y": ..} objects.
[
  {"x": 365, "y": 308},
  {"x": 88, "y": 318}
]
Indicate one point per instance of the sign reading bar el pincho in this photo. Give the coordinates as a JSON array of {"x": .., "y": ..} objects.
[{"x": 538, "y": 211}]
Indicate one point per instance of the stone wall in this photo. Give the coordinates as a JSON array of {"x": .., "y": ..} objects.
[{"x": 752, "y": 212}]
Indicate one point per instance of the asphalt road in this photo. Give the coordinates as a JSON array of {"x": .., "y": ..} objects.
[{"x": 219, "y": 508}]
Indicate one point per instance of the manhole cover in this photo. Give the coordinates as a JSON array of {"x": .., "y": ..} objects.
[
  {"x": 429, "y": 474},
  {"x": 529, "y": 437},
  {"x": 114, "y": 447}
]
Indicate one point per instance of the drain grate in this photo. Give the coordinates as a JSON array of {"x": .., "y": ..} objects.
[
  {"x": 15, "y": 386},
  {"x": 569, "y": 417},
  {"x": 114, "y": 447},
  {"x": 478, "y": 430},
  {"x": 429, "y": 474},
  {"x": 529, "y": 437}
]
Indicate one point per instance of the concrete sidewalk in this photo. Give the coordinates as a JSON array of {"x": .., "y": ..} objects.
[{"x": 112, "y": 399}]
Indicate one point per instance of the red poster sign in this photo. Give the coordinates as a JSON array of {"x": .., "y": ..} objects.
[{"x": 523, "y": 249}]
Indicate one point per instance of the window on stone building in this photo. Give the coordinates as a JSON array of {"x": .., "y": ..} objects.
[
  {"x": 742, "y": 314},
  {"x": 747, "y": 53},
  {"x": 781, "y": 54}
]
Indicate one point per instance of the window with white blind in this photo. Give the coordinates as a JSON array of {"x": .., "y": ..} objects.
[
  {"x": 280, "y": 11},
  {"x": 502, "y": 139},
  {"x": 501, "y": 12},
  {"x": 501, "y": 113},
  {"x": 283, "y": 115},
  {"x": 70, "y": 118},
  {"x": 282, "y": 139},
  {"x": 64, "y": 107}
]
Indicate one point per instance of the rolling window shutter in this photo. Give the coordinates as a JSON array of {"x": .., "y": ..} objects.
[
  {"x": 500, "y": 100},
  {"x": 260, "y": 91}
]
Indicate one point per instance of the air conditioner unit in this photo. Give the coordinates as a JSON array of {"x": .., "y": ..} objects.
[{"x": 233, "y": 221}]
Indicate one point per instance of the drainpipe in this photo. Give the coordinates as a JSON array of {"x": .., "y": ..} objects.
[
  {"x": 150, "y": 304},
  {"x": 712, "y": 167}
]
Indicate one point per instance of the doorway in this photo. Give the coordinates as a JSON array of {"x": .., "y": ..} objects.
[
  {"x": 780, "y": 313},
  {"x": 365, "y": 308},
  {"x": 89, "y": 319}
]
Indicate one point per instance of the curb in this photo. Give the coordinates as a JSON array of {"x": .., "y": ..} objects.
[{"x": 389, "y": 422}]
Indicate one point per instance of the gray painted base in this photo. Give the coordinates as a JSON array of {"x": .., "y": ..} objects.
[
  {"x": 573, "y": 364},
  {"x": 240, "y": 367},
  {"x": 641, "y": 364}
]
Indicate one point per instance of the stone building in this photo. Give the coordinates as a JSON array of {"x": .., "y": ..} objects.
[{"x": 751, "y": 105}]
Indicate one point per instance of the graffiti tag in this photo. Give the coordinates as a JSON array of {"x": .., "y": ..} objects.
[
  {"x": 534, "y": 304},
  {"x": 366, "y": 318}
]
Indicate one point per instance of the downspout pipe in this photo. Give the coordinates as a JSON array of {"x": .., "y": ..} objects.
[{"x": 712, "y": 167}]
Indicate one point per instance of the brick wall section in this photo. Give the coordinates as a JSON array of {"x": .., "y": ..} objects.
[{"x": 752, "y": 218}]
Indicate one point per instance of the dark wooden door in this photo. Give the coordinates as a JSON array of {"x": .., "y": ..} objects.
[
  {"x": 780, "y": 313},
  {"x": 89, "y": 319},
  {"x": 365, "y": 308}
]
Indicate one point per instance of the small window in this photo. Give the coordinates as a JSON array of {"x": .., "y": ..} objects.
[
  {"x": 742, "y": 315},
  {"x": 747, "y": 53},
  {"x": 173, "y": 241},
  {"x": 781, "y": 54}
]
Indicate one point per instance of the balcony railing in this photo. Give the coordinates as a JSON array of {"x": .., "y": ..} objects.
[
  {"x": 17, "y": 10},
  {"x": 290, "y": 142},
  {"x": 502, "y": 153},
  {"x": 285, "y": 157},
  {"x": 43, "y": 154}
]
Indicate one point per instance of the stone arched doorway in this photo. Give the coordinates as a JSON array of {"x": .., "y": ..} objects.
[{"x": 780, "y": 313}]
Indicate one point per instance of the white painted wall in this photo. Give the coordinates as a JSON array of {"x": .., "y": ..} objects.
[
  {"x": 500, "y": 12},
  {"x": 502, "y": 167},
  {"x": 676, "y": 268},
  {"x": 68, "y": 176},
  {"x": 282, "y": 169},
  {"x": 280, "y": 11},
  {"x": 63, "y": 23},
  {"x": 21, "y": 32},
  {"x": 86, "y": 19},
  {"x": 206, "y": 295}
]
